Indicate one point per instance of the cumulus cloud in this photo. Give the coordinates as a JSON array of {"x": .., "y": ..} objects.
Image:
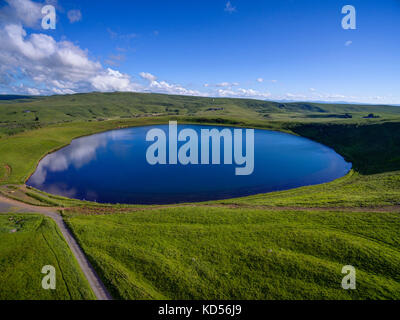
[
  {"x": 35, "y": 63},
  {"x": 223, "y": 84},
  {"x": 227, "y": 84},
  {"x": 33, "y": 91},
  {"x": 74, "y": 16},
  {"x": 59, "y": 67},
  {"x": 25, "y": 12},
  {"x": 166, "y": 87},
  {"x": 314, "y": 95},
  {"x": 113, "y": 80},
  {"x": 243, "y": 93},
  {"x": 148, "y": 76}
]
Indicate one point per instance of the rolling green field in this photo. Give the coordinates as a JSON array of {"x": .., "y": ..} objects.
[
  {"x": 18, "y": 115},
  {"x": 283, "y": 245},
  {"x": 224, "y": 253},
  {"x": 27, "y": 243}
]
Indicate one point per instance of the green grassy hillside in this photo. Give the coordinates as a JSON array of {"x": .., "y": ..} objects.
[
  {"x": 27, "y": 243},
  {"x": 371, "y": 147},
  {"x": 17, "y": 115},
  {"x": 225, "y": 253}
]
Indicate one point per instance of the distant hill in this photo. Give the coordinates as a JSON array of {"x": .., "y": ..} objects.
[{"x": 27, "y": 111}]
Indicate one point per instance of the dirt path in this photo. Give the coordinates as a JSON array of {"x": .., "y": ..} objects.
[{"x": 12, "y": 206}]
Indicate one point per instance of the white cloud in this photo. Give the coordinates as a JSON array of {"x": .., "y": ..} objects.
[
  {"x": 62, "y": 91},
  {"x": 165, "y": 87},
  {"x": 243, "y": 93},
  {"x": 33, "y": 91},
  {"x": 148, "y": 76},
  {"x": 229, "y": 7},
  {"x": 314, "y": 95},
  {"x": 82, "y": 152},
  {"x": 348, "y": 43},
  {"x": 113, "y": 80},
  {"x": 227, "y": 84},
  {"x": 25, "y": 12},
  {"x": 295, "y": 96},
  {"x": 58, "y": 67},
  {"x": 48, "y": 66},
  {"x": 74, "y": 16},
  {"x": 223, "y": 84},
  {"x": 61, "y": 67},
  {"x": 260, "y": 80},
  {"x": 43, "y": 59}
]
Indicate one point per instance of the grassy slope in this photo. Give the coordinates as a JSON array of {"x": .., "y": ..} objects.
[
  {"x": 14, "y": 115},
  {"x": 223, "y": 253},
  {"x": 371, "y": 147},
  {"x": 150, "y": 254},
  {"x": 353, "y": 191},
  {"x": 23, "y": 254}
]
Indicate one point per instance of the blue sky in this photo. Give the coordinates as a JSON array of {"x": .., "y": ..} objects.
[{"x": 280, "y": 49}]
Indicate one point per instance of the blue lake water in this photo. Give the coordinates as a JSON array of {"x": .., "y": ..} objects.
[{"x": 111, "y": 167}]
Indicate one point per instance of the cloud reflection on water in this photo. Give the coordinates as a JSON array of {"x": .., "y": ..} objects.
[{"x": 79, "y": 153}]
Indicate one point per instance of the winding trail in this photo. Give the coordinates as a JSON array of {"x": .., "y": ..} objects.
[{"x": 98, "y": 288}]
